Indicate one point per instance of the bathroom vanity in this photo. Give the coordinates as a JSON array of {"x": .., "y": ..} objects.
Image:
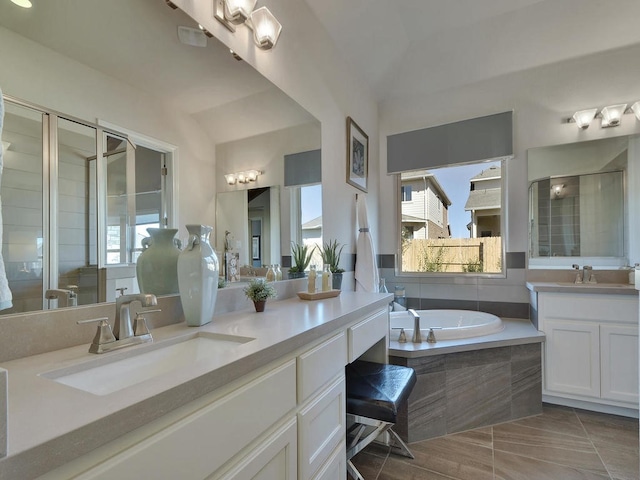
[
  {"x": 591, "y": 350},
  {"x": 266, "y": 401}
]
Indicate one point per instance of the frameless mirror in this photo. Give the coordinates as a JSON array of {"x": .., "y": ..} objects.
[
  {"x": 579, "y": 203},
  {"x": 227, "y": 97}
]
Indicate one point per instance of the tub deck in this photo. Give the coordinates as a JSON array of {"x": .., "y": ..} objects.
[{"x": 516, "y": 332}]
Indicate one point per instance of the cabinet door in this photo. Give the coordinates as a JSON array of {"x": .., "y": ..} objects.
[
  {"x": 619, "y": 362},
  {"x": 572, "y": 359},
  {"x": 321, "y": 427},
  {"x": 336, "y": 466},
  {"x": 275, "y": 459}
]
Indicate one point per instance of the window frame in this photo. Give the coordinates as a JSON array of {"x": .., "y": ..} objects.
[{"x": 503, "y": 226}]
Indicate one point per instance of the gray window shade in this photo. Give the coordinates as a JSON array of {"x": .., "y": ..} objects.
[
  {"x": 455, "y": 143},
  {"x": 302, "y": 168}
]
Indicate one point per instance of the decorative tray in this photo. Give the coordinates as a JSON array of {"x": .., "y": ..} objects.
[{"x": 318, "y": 295}]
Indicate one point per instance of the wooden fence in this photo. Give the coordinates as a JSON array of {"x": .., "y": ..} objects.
[{"x": 453, "y": 255}]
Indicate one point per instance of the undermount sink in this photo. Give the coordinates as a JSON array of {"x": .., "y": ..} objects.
[{"x": 113, "y": 372}]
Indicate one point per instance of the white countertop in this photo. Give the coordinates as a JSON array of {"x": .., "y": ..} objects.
[
  {"x": 50, "y": 423},
  {"x": 588, "y": 288},
  {"x": 516, "y": 331}
]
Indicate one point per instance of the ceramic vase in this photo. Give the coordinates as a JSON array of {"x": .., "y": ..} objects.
[
  {"x": 198, "y": 271},
  {"x": 337, "y": 281},
  {"x": 259, "y": 305},
  {"x": 157, "y": 266}
]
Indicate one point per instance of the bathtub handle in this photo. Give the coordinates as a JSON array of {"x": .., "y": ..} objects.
[
  {"x": 402, "y": 338},
  {"x": 431, "y": 338}
]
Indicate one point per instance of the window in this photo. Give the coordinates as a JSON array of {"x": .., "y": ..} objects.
[
  {"x": 454, "y": 223},
  {"x": 406, "y": 193}
]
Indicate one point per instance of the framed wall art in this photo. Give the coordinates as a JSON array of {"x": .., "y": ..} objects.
[{"x": 357, "y": 155}]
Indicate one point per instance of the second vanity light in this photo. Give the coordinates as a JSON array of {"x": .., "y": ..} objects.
[
  {"x": 266, "y": 28},
  {"x": 611, "y": 115}
]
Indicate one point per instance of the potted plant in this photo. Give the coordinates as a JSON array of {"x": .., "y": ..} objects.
[
  {"x": 259, "y": 291},
  {"x": 330, "y": 252},
  {"x": 300, "y": 258}
]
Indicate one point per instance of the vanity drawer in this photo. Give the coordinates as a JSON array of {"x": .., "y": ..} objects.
[
  {"x": 366, "y": 333},
  {"x": 201, "y": 443},
  {"x": 320, "y": 364},
  {"x": 321, "y": 427}
]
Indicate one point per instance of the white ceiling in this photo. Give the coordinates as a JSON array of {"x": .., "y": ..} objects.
[
  {"x": 402, "y": 48},
  {"x": 412, "y": 47}
]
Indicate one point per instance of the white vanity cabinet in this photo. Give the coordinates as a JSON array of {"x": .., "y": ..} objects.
[
  {"x": 285, "y": 421},
  {"x": 591, "y": 348}
]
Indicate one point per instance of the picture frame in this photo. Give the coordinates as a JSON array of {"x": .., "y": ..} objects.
[
  {"x": 357, "y": 155},
  {"x": 255, "y": 247}
]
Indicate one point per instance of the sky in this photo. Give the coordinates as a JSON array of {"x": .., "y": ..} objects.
[
  {"x": 311, "y": 199},
  {"x": 455, "y": 183}
]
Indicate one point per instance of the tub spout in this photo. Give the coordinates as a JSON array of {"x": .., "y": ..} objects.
[{"x": 417, "y": 338}]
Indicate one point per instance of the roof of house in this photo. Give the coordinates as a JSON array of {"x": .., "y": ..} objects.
[
  {"x": 412, "y": 219},
  {"x": 483, "y": 199},
  {"x": 488, "y": 174},
  {"x": 313, "y": 223}
]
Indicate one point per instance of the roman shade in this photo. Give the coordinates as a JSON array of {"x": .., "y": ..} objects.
[
  {"x": 302, "y": 168},
  {"x": 455, "y": 143}
]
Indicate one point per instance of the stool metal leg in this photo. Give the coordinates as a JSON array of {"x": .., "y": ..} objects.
[
  {"x": 353, "y": 471},
  {"x": 401, "y": 447}
]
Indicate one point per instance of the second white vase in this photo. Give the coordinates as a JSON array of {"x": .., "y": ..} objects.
[{"x": 198, "y": 271}]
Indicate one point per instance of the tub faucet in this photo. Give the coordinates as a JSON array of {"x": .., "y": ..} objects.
[
  {"x": 417, "y": 338},
  {"x": 587, "y": 275},
  {"x": 123, "y": 326}
]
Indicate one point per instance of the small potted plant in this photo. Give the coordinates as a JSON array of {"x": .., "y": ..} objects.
[
  {"x": 300, "y": 258},
  {"x": 258, "y": 291},
  {"x": 330, "y": 252}
]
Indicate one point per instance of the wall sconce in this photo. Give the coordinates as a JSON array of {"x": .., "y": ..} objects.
[
  {"x": 635, "y": 108},
  {"x": 266, "y": 28},
  {"x": 583, "y": 117},
  {"x": 242, "y": 177},
  {"x": 23, "y": 3},
  {"x": 612, "y": 115},
  {"x": 557, "y": 189}
]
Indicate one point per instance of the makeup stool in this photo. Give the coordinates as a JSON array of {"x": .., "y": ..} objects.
[{"x": 375, "y": 392}]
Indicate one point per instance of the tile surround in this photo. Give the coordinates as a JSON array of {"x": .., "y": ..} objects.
[{"x": 465, "y": 390}]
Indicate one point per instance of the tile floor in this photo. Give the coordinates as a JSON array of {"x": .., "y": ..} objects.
[{"x": 560, "y": 444}]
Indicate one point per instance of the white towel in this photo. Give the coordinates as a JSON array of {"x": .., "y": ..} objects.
[
  {"x": 5, "y": 294},
  {"x": 367, "y": 277}
]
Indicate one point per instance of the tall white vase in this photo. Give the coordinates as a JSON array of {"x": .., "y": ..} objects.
[{"x": 198, "y": 277}]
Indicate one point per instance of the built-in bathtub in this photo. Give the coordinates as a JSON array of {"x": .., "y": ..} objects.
[
  {"x": 481, "y": 371},
  {"x": 447, "y": 324}
]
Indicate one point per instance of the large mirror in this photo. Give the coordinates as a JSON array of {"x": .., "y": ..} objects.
[
  {"x": 137, "y": 43},
  {"x": 579, "y": 203}
]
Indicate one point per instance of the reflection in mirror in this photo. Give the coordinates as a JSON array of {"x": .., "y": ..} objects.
[
  {"x": 578, "y": 203},
  {"x": 22, "y": 207},
  {"x": 451, "y": 219},
  {"x": 578, "y": 216},
  {"x": 229, "y": 100}
]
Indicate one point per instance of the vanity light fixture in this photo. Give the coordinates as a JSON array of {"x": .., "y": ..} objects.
[
  {"x": 583, "y": 118},
  {"x": 265, "y": 26},
  {"x": 242, "y": 177},
  {"x": 612, "y": 114},
  {"x": 23, "y": 3},
  {"x": 635, "y": 108}
]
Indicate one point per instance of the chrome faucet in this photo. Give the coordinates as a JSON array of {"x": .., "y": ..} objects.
[
  {"x": 587, "y": 275},
  {"x": 66, "y": 298},
  {"x": 123, "y": 326},
  {"x": 124, "y": 332},
  {"x": 417, "y": 337}
]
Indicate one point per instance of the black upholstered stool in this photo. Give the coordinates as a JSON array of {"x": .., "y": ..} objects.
[{"x": 375, "y": 391}]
